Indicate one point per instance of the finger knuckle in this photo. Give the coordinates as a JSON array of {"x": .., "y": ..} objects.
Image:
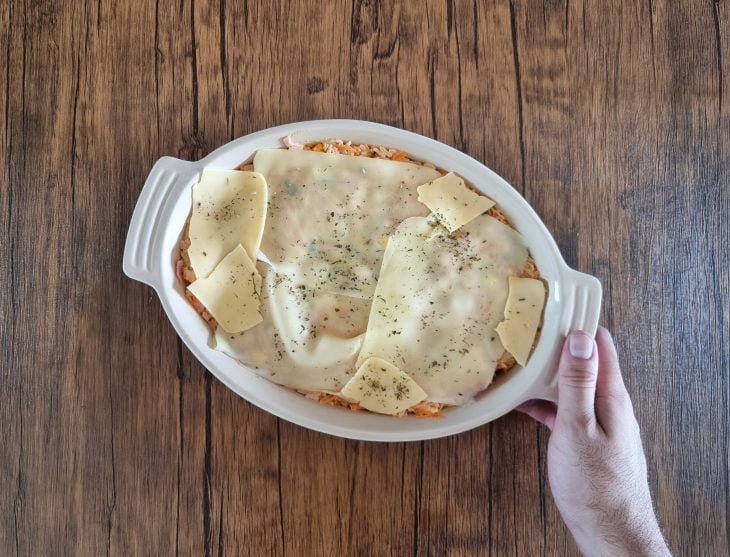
[
  {"x": 583, "y": 419},
  {"x": 579, "y": 377},
  {"x": 616, "y": 399}
]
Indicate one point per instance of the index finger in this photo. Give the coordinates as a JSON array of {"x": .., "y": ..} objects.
[{"x": 612, "y": 398}]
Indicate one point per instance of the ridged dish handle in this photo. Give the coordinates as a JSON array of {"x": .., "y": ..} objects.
[
  {"x": 580, "y": 299},
  {"x": 142, "y": 250}
]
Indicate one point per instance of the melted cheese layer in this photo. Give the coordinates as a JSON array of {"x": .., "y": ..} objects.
[
  {"x": 328, "y": 221},
  {"x": 283, "y": 349},
  {"x": 337, "y": 211},
  {"x": 438, "y": 301}
]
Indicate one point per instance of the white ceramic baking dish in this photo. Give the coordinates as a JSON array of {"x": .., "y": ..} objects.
[{"x": 151, "y": 251}]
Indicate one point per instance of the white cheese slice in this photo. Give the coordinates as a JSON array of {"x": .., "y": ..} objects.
[
  {"x": 438, "y": 300},
  {"x": 336, "y": 209},
  {"x": 452, "y": 202},
  {"x": 381, "y": 387},
  {"x": 229, "y": 208},
  {"x": 231, "y": 292},
  {"x": 522, "y": 316}
]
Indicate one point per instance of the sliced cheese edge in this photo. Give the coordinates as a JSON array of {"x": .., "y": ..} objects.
[
  {"x": 381, "y": 387},
  {"x": 522, "y": 313},
  {"x": 231, "y": 292},
  {"x": 229, "y": 208},
  {"x": 452, "y": 202}
]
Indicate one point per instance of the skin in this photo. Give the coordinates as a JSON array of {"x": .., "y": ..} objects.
[{"x": 596, "y": 463}]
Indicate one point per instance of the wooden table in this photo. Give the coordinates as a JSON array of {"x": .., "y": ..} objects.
[{"x": 610, "y": 117}]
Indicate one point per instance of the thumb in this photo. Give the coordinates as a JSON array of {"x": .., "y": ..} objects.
[{"x": 577, "y": 375}]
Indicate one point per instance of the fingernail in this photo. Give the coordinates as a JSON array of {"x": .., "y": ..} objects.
[{"x": 580, "y": 346}]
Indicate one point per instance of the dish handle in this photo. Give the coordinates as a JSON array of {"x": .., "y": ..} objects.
[
  {"x": 156, "y": 200},
  {"x": 580, "y": 296}
]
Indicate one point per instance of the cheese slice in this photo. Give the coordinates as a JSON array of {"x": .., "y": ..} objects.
[
  {"x": 438, "y": 300},
  {"x": 522, "y": 316},
  {"x": 381, "y": 387},
  {"x": 231, "y": 292},
  {"x": 336, "y": 209},
  {"x": 229, "y": 208},
  {"x": 452, "y": 202}
]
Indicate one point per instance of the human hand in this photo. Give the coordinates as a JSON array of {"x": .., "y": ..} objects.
[{"x": 596, "y": 463}]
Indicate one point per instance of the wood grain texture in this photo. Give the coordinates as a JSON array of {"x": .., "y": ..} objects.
[{"x": 612, "y": 118}]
